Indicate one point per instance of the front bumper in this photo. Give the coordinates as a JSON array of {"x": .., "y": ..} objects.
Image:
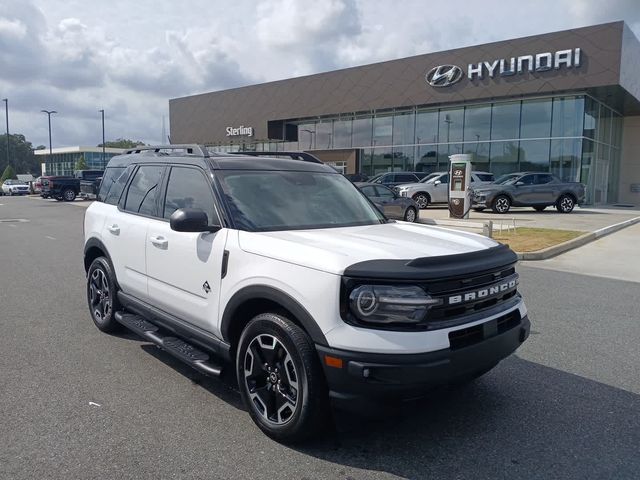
[{"x": 367, "y": 381}]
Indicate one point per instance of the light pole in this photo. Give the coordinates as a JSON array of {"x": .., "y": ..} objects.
[
  {"x": 6, "y": 111},
  {"x": 49, "y": 112},
  {"x": 103, "y": 152},
  {"x": 311, "y": 133}
]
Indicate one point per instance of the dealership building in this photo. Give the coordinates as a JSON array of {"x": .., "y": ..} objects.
[
  {"x": 565, "y": 102},
  {"x": 63, "y": 160}
]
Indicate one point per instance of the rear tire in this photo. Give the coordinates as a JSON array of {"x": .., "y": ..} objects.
[
  {"x": 565, "y": 204},
  {"x": 102, "y": 295},
  {"x": 280, "y": 379},
  {"x": 68, "y": 195},
  {"x": 422, "y": 199},
  {"x": 501, "y": 204},
  {"x": 411, "y": 215}
]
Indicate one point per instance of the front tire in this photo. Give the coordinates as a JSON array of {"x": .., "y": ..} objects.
[
  {"x": 102, "y": 295},
  {"x": 280, "y": 378},
  {"x": 565, "y": 204},
  {"x": 69, "y": 195},
  {"x": 422, "y": 199},
  {"x": 410, "y": 215},
  {"x": 501, "y": 204}
]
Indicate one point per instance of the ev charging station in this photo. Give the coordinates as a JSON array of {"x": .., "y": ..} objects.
[{"x": 460, "y": 185}]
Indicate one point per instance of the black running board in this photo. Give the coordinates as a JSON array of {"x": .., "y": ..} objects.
[{"x": 173, "y": 345}]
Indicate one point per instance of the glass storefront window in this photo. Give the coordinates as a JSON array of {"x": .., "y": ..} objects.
[
  {"x": 307, "y": 135},
  {"x": 480, "y": 154},
  {"x": 444, "y": 151},
  {"x": 505, "y": 121},
  {"x": 565, "y": 159},
  {"x": 591, "y": 109},
  {"x": 477, "y": 123},
  {"x": 504, "y": 158},
  {"x": 568, "y": 116},
  {"x": 427, "y": 127},
  {"x": 324, "y": 134},
  {"x": 450, "y": 125},
  {"x": 362, "y": 128},
  {"x": 366, "y": 165},
  {"x": 604, "y": 125},
  {"x": 342, "y": 133},
  {"x": 426, "y": 158},
  {"x": 382, "y": 160},
  {"x": 403, "y": 158},
  {"x": 534, "y": 155},
  {"x": 535, "y": 119},
  {"x": 382, "y": 130},
  {"x": 403, "y": 125}
]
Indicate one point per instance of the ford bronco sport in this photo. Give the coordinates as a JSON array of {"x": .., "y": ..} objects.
[{"x": 283, "y": 270}]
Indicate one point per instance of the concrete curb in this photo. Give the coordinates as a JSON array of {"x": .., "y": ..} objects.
[{"x": 576, "y": 242}]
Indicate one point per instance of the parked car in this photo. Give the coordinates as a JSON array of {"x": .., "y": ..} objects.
[
  {"x": 15, "y": 187},
  {"x": 60, "y": 187},
  {"x": 528, "y": 189},
  {"x": 356, "y": 177},
  {"x": 435, "y": 187},
  {"x": 89, "y": 182},
  {"x": 37, "y": 185},
  {"x": 390, "y": 203},
  {"x": 284, "y": 272},
  {"x": 391, "y": 179}
]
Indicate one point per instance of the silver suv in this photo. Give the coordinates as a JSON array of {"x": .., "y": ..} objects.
[{"x": 434, "y": 188}]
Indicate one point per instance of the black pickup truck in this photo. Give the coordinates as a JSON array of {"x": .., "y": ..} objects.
[{"x": 68, "y": 188}]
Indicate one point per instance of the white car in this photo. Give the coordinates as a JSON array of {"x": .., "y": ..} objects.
[
  {"x": 15, "y": 187},
  {"x": 435, "y": 187},
  {"x": 284, "y": 271}
]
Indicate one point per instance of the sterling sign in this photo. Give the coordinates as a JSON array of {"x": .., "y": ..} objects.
[
  {"x": 446, "y": 75},
  {"x": 239, "y": 131}
]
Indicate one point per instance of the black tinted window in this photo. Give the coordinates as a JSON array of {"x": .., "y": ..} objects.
[
  {"x": 485, "y": 177},
  {"x": 113, "y": 182},
  {"x": 444, "y": 178},
  {"x": 384, "y": 192},
  {"x": 188, "y": 188},
  {"x": 369, "y": 191},
  {"x": 141, "y": 197},
  {"x": 527, "y": 180},
  {"x": 406, "y": 177},
  {"x": 543, "y": 178}
]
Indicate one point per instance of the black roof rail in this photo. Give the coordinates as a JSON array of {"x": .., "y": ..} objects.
[
  {"x": 191, "y": 149},
  {"x": 304, "y": 156}
]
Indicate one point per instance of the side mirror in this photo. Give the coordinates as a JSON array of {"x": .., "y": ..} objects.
[
  {"x": 437, "y": 182},
  {"x": 518, "y": 184},
  {"x": 191, "y": 220}
]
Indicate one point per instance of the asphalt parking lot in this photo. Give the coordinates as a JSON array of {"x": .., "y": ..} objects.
[{"x": 76, "y": 403}]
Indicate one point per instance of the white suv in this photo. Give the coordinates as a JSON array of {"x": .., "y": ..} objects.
[
  {"x": 434, "y": 188},
  {"x": 283, "y": 270}
]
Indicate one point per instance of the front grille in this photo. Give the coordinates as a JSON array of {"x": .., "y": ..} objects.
[{"x": 466, "y": 337}]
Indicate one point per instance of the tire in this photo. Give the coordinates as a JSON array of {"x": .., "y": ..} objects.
[
  {"x": 478, "y": 209},
  {"x": 68, "y": 195},
  {"x": 565, "y": 204},
  {"x": 422, "y": 199},
  {"x": 102, "y": 295},
  {"x": 410, "y": 215},
  {"x": 306, "y": 410},
  {"x": 540, "y": 208},
  {"x": 501, "y": 204}
]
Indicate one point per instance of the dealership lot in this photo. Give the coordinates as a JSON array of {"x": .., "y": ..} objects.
[{"x": 76, "y": 403}]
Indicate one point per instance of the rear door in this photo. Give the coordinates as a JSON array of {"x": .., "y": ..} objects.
[
  {"x": 544, "y": 189},
  {"x": 125, "y": 228},
  {"x": 184, "y": 268}
]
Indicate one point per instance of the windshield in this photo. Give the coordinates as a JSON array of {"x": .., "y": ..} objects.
[
  {"x": 429, "y": 177},
  {"x": 507, "y": 179},
  {"x": 287, "y": 200}
]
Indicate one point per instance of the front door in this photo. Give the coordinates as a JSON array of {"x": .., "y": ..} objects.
[
  {"x": 184, "y": 268},
  {"x": 441, "y": 190}
]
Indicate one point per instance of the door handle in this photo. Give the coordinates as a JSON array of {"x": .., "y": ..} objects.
[
  {"x": 115, "y": 229},
  {"x": 159, "y": 241}
]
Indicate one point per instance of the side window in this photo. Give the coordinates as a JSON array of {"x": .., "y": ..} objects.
[
  {"x": 113, "y": 181},
  {"x": 527, "y": 180},
  {"x": 485, "y": 177},
  {"x": 444, "y": 178},
  {"x": 406, "y": 178},
  {"x": 141, "y": 196},
  {"x": 369, "y": 191},
  {"x": 543, "y": 178},
  {"x": 189, "y": 188},
  {"x": 384, "y": 192}
]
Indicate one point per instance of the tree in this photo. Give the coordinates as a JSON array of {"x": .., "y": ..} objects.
[
  {"x": 21, "y": 156},
  {"x": 81, "y": 164},
  {"x": 7, "y": 174},
  {"x": 122, "y": 143}
]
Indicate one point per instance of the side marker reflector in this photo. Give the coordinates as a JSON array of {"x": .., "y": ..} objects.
[{"x": 333, "y": 361}]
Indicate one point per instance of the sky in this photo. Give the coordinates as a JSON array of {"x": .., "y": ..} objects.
[{"x": 130, "y": 57}]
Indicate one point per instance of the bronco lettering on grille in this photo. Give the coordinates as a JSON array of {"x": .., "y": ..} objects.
[{"x": 482, "y": 293}]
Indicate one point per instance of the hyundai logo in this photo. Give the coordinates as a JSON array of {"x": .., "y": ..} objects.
[{"x": 443, "y": 75}]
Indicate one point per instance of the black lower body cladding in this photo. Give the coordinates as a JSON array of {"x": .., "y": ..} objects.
[{"x": 368, "y": 381}]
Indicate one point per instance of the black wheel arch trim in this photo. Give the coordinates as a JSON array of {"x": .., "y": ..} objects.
[
  {"x": 272, "y": 294},
  {"x": 96, "y": 243}
]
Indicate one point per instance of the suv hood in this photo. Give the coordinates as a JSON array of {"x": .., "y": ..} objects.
[{"x": 332, "y": 250}]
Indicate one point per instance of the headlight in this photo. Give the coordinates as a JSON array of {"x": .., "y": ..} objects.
[{"x": 390, "y": 304}]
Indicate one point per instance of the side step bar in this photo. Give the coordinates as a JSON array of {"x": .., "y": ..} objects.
[{"x": 173, "y": 345}]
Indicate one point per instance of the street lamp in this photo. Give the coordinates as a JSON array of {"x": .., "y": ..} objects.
[
  {"x": 103, "y": 152},
  {"x": 49, "y": 112},
  {"x": 310, "y": 135},
  {"x": 6, "y": 110}
]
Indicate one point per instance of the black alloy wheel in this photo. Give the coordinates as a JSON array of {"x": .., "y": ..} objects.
[
  {"x": 422, "y": 199},
  {"x": 410, "y": 215},
  {"x": 565, "y": 204},
  {"x": 280, "y": 378},
  {"x": 501, "y": 204},
  {"x": 102, "y": 295}
]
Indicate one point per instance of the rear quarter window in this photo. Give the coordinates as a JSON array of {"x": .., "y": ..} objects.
[{"x": 113, "y": 183}]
